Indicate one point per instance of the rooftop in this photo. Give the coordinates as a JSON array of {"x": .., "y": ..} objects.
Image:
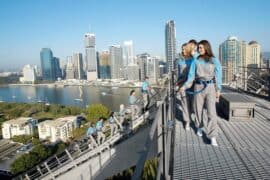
[
  {"x": 18, "y": 121},
  {"x": 58, "y": 122}
]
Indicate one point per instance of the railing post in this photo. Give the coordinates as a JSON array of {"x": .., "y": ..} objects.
[
  {"x": 90, "y": 171},
  {"x": 27, "y": 177},
  {"x": 57, "y": 160},
  {"x": 269, "y": 82},
  {"x": 159, "y": 130},
  {"x": 70, "y": 157},
  {"x": 163, "y": 140},
  {"x": 49, "y": 170}
]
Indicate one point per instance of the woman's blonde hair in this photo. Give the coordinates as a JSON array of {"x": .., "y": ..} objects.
[{"x": 188, "y": 49}]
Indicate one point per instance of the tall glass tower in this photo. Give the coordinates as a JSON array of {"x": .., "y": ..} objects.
[
  {"x": 47, "y": 64},
  {"x": 170, "y": 43},
  {"x": 231, "y": 57},
  {"x": 90, "y": 54},
  {"x": 128, "y": 55},
  {"x": 116, "y": 61}
]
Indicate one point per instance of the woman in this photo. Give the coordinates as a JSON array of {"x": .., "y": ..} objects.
[
  {"x": 135, "y": 109},
  {"x": 183, "y": 68},
  {"x": 207, "y": 73},
  {"x": 113, "y": 124},
  {"x": 122, "y": 113}
]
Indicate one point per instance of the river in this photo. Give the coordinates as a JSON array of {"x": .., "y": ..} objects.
[{"x": 81, "y": 96}]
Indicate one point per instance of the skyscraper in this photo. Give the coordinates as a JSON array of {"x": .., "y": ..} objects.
[
  {"x": 170, "y": 43},
  {"x": 128, "y": 55},
  {"x": 230, "y": 55},
  {"x": 78, "y": 65},
  {"x": 56, "y": 68},
  {"x": 133, "y": 72},
  {"x": 152, "y": 69},
  {"x": 104, "y": 65},
  {"x": 46, "y": 58},
  {"x": 70, "y": 70},
  {"x": 253, "y": 54},
  {"x": 142, "y": 60},
  {"x": 116, "y": 61},
  {"x": 90, "y": 54},
  {"x": 29, "y": 74},
  {"x": 63, "y": 67}
]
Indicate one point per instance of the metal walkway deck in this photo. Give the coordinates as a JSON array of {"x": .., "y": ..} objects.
[{"x": 243, "y": 151}]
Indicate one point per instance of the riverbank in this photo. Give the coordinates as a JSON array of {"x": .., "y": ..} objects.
[{"x": 116, "y": 83}]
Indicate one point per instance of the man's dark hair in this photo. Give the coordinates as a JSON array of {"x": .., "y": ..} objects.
[{"x": 193, "y": 41}]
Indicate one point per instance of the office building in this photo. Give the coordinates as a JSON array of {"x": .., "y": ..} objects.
[
  {"x": 116, "y": 60},
  {"x": 104, "y": 65},
  {"x": 128, "y": 53},
  {"x": 133, "y": 72},
  {"x": 47, "y": 64},
  {"x": 29, "y": 74},
  {"x": 90, "y": 55},
  {"x": 170, "y": 43},
  {"x": 78, "y": 66}
]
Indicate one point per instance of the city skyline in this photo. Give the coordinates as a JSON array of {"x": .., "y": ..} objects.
[{"x": 30, "y": 28}]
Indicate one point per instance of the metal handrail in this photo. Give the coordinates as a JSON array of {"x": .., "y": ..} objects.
[{"x": 163, "y": 117}]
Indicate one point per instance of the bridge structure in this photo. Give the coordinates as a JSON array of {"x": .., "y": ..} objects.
[{"x": 243, "y": 150}]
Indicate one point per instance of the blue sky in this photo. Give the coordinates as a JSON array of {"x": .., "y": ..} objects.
[{"x": 28, "y": 25}]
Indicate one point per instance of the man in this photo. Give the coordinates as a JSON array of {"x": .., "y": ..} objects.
[
  {"x": 195, "y": 54},
  {"x": 194, "y": 45},
  {"x": 100, "y": 134},
  {"x": 113, "y": 124},
  {"x": 91, "y": 131},
  {"x": 91, "y": 134},
  {"x": 135, "y": 109},
  {"x": 145, "y": 92}
]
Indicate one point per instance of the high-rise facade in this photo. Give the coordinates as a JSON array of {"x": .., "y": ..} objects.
[
  {"x": 253, "y": 55},
  {"x": 78, "y": 66},
  {"x": 236, "y": 56},
  {"x": 170, "y": 43},
  {"x": 128, "y": 53},
  {"x": 29, "y": 74},
  {"x": 133, "y": 72},
  {"x": 152, "y": 69},
  {"x": 47, "y": 64},
  {"x": 104, "y": 65},
  {"x": 142, "y": 61},
  {"x": 90, "y": 55},
  {"x": 56, "y": 68},
  {"x": 70, "y": 70},
  {"x": 116, "y": 61},
  {"x": 231, "y": 57}
]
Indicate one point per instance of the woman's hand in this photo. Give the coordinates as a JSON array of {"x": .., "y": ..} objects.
[{"x": 218, "y": 94}]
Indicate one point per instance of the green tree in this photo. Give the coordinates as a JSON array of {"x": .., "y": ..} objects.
[
  {"x": 41, "y": 151},
  {"x": 79, "y": 132},
  {"x": 75, "y": 110},
  {"x": 22, "y": 139},
  {"x": 150, "y": 169},
  {"x": 95, "y": 111}
]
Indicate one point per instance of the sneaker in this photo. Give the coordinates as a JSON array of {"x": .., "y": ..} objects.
[
  {"x": 199, "y": 132},
  {"x": 187, "y": 128},
  {"x": 192, "y": 117},
  {"x": 214, "y": 141}
]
